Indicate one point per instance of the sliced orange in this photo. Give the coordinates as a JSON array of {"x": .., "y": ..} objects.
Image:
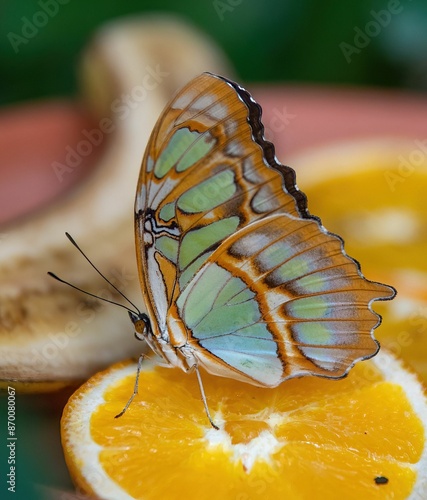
[
  {"x": 360, "y": 437},
  {"x": 373, "y": 194}
]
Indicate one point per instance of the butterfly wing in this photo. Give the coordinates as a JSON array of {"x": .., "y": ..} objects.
[
  {"x": 206, "y": 173},
  {"x": 232, "y": 263},
  {"x": 279, "y": 299}
]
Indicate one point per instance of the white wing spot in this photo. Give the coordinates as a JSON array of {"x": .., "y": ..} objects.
[
  {"x": 203, "y": 102},
  {"x": 184, "y": 100}
]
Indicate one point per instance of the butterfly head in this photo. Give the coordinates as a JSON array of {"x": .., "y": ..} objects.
[{"x": 141, "y": 323}]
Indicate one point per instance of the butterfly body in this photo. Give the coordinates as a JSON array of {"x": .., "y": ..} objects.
[{"x": 237, "y": 276}]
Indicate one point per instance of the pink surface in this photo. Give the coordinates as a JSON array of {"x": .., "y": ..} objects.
[
  {"x": 33, "y": 136},
  {"x": 317, "y": 116}
]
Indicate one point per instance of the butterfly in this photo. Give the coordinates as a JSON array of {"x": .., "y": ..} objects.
[{"x": 237, "y": 276}]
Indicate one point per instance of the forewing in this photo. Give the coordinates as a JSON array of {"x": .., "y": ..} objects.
[{"x": 206, "y": 174}]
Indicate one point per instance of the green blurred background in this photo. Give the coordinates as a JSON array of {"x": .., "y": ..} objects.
[{"x": 273, "y": 40}]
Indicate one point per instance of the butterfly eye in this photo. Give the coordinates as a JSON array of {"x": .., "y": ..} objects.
[
  {"x": 139, "y": 331},
  {"x": 141, "y": 324}
]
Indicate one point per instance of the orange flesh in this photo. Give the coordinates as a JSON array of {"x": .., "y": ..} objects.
[{"x": 334, "y": 437}]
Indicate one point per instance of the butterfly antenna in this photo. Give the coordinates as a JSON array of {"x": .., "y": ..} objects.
[
  {"x": 54, "y": 276},
  {"x": 73, "y": 242}
]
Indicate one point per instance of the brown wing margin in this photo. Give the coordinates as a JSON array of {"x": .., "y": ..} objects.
[{"x": 288, "y": 173}]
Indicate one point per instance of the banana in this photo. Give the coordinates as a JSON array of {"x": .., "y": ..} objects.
[{"x": 50, "y": 334}]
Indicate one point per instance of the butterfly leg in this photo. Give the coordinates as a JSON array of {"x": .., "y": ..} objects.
[
  {"x": 135, "y": 387},
  {"x": 190, "y": 364},
  {"x": 205, "y": 403}
]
